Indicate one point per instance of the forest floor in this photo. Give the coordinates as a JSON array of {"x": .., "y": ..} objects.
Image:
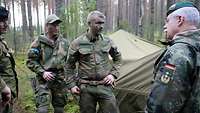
[{"x": 26, "y": 100}]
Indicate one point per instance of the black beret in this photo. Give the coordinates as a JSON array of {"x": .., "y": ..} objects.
[{"x": 3, "y": 13}]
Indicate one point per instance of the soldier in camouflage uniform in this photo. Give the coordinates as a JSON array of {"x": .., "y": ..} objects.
[
  {"x": 176, "y": 87},
  {"x": 46, "y": 58},
  {"x": 7, "y": 63},
  {"x": 96, "y": 74}
]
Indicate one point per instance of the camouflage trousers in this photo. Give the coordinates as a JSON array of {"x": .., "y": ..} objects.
[
  {"x": 47, "y": 94},
  {"x": 97, "y": 99}
]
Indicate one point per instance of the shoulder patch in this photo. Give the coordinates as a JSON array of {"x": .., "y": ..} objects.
[{"x": 168, "y": 72}]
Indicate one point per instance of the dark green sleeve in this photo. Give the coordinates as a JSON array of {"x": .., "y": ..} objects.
[
  {"x": 33, "y": 61},
  {"x": 117, "y": 59},
  {"x": 70, "y": 66},
  {"x": 172, "y": 86},
  {"x": 2, "y": 84}
]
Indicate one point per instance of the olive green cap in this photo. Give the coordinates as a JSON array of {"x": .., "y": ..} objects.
[{"x": 52, "y": 18}]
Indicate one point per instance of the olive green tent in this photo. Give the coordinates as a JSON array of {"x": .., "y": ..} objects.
[
  {"x": 133, "y": 85},
  {"x": 132, "y": 47}
]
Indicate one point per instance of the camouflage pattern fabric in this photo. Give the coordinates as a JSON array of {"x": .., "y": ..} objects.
[
  {"x": 2, "y": 84},
  {"x": 46, "y": 55},
  {"x": 93, "y": 64},
  {"x": 7, "y": 72},
  {"x": 175, "y": 88}
]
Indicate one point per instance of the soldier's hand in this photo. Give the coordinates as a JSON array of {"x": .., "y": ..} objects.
[
  {"x": 109, "y": 79},
  {"x": 48, "y": 76},
  {"x": 75, "y": 90},
  {"x": 6, "y": 95}
]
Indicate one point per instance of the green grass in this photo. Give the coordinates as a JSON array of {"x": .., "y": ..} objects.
[{"x": 26, "y": 100}]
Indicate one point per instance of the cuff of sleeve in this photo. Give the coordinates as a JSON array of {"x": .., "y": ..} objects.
[
  {"x": 115, "y": 75},
  {"x": 40, "y": 72},
  {"x": 2, "y": 84}
]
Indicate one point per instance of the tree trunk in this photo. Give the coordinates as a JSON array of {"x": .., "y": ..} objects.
[
  {"x": 142, "y": 19},
  {"x": 170, "y": 2},
  {"x": 38, "y": 20},
  {"x": 115, "y": 8},
  {"x": 49, "y": 6},
  {"x": 59, "y": 5},
  {"x": 44, "y": 2},
  {"x": 162, "y": 14},
  {"x": 151, "y": 28},
  {"x": 14, "y": 29},
  {"x": 29, "y": 5},
  {"x": 120, "y": 5},
  {"x": 100, "y": 5},
  {"x": 53, "y": 7},
  {"x": 138, "y": 9},
  {"x": 131, "y": 15},
  {"x": 24, "y": 20}
]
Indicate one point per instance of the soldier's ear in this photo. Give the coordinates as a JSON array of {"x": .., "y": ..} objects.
[{"x": 181, "y": 20}]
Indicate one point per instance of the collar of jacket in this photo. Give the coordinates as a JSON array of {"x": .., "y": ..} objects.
[
  {"x": 184, "y": 37},
  {"x": 91, "y": 37},
  {"x": 45, "y": 40}
]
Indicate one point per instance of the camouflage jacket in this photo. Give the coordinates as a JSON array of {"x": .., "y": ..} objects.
[
  {"x": 92, "y": 58},
  {"x": 46, "y": 55},
  {"x": 2, "y": 84},
  {"x": 7, "y": 67},
  {"x": 175, "y": 76}
]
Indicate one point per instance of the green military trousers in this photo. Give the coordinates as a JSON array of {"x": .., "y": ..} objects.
[
  {"x": 47, "y": 93},
  {"x": 91, "y": 95}
]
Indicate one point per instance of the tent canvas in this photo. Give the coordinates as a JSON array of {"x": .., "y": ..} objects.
[
  {"x": 132, "y": 47},
  {"x": 133, "y": 85},
  {"x": 136, "y": 72}
]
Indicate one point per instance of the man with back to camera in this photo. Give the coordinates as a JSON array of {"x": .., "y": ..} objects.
[
  {"x": 96, "y": 73},
  {"x": 7, "y": 67},
  {"x": 46, "y": 57},
  {"x": 176, "y": 87}
]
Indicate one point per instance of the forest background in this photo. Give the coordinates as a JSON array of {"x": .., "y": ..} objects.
[{"x": 144, "y": 18}]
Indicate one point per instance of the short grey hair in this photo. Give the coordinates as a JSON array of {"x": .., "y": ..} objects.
[
  {"x": 191, "y": 15},
  {"x": 94, "y": 14}
]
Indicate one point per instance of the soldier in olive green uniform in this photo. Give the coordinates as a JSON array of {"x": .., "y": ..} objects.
[
  {"x": 46, "y": 58},
  {"x": 7, "y": 63},
  {"x": 176, "y": 87},
  {"x": 96, "y": 72}
]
